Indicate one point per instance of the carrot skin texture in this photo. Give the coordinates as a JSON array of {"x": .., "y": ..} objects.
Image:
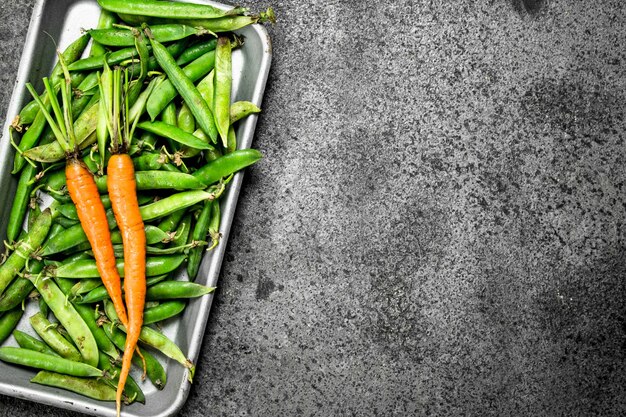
[
  {"x": 84, "y": 193},
  {"x": 123, "y": 193}
]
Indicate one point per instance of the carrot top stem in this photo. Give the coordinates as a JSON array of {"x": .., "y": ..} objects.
[{"x": 58, "y": 134}]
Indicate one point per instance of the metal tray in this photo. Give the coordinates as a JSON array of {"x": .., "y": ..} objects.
[{"x": 62, "y": 21}]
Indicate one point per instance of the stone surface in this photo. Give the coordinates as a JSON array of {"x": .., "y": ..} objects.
[{"x": 438, "y": 225}]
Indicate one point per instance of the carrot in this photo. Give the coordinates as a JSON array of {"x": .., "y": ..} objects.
[
  {"x": 123, "y": 194},
  {"x": 122, "y": 190}
]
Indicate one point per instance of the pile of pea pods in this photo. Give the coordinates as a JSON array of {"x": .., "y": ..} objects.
[{"x": 184, "y": 153}]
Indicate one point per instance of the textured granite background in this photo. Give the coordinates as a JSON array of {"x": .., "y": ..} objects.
[{"x": 438, "y": 226}]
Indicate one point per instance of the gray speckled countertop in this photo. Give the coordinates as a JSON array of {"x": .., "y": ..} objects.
[{"x": 438, "y": 225}]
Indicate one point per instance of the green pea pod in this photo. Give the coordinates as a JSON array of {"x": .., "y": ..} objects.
[
  {"x": 168, "y": 116},
  {"x": 154, "y": 235},
  {"x": 89, "y": 387},
  {"x": 182, "y": 231},
  {"x": 26, "y": 341},
  {"x": 174, "y": 133},
  {"x": 20, "y": 202},
  {"x": 242, "y": 109},
  {"x": 55, "y": 180},
  {"x": 65, "y": 222},
  {"x": 47, "y": 362},
  {"x": 231, "y": 141},
  {"x": 168, "y": 290},
  {"x": 163, "y": 311},
  {"x": 19, "y": 288},
  {"x": 131, "y": 389},
  {"x": 43, "y": 308},
  {"x": 139, "y": 107},
  {"x": 95, "y": 295},
  {"x": 8, "y": 322},
  {"x": 196, "y": 51},
  {"x": 230, "y": 23},
  {"x": 86, "y": 92},
  {"x": 173, "y": 203},
  {"x": 171, "y": 10},
  {"x": 84, "y": 129},
  {"x": 24, "y": 249},
  {"x": 155, "y": 180},
  {"x": 206, "y": 88},
  {"x": 162, "y": 33},
  {"x": 187, "y": 152},
  {"x": 166, "y": 92},
  {"x": 84, "y": 286},
  {"x": 15, "y": 294},
  {"x": 154, "y": 370},
  {"x": 185, "y": 120},
  {"x": 32, "y": 217},
  {"x": 156, "y": 340},
  {"x": 222, "y": 87},
  {"x": 226, "y": 165},
  {"x": 199, "y": 233},
  {"x": 186, "y": 89},
  {"x": 150, "y": 161},
  {"x": 54, "y": 230},
  {"x": 157, "y": 265},
  {"x": 144, "y": 53},
  {"x": 106, "y": 20},
  {"x": 68, "y": 210},
  {"x": 170, "y": 223},
  {"x": 88, "y": 315},
  {"x": 53, "y": 338}
]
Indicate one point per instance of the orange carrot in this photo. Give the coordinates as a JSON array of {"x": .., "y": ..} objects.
[
  {"x": 84, "y": 193},
  {"x": 122, "y": 190}
]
